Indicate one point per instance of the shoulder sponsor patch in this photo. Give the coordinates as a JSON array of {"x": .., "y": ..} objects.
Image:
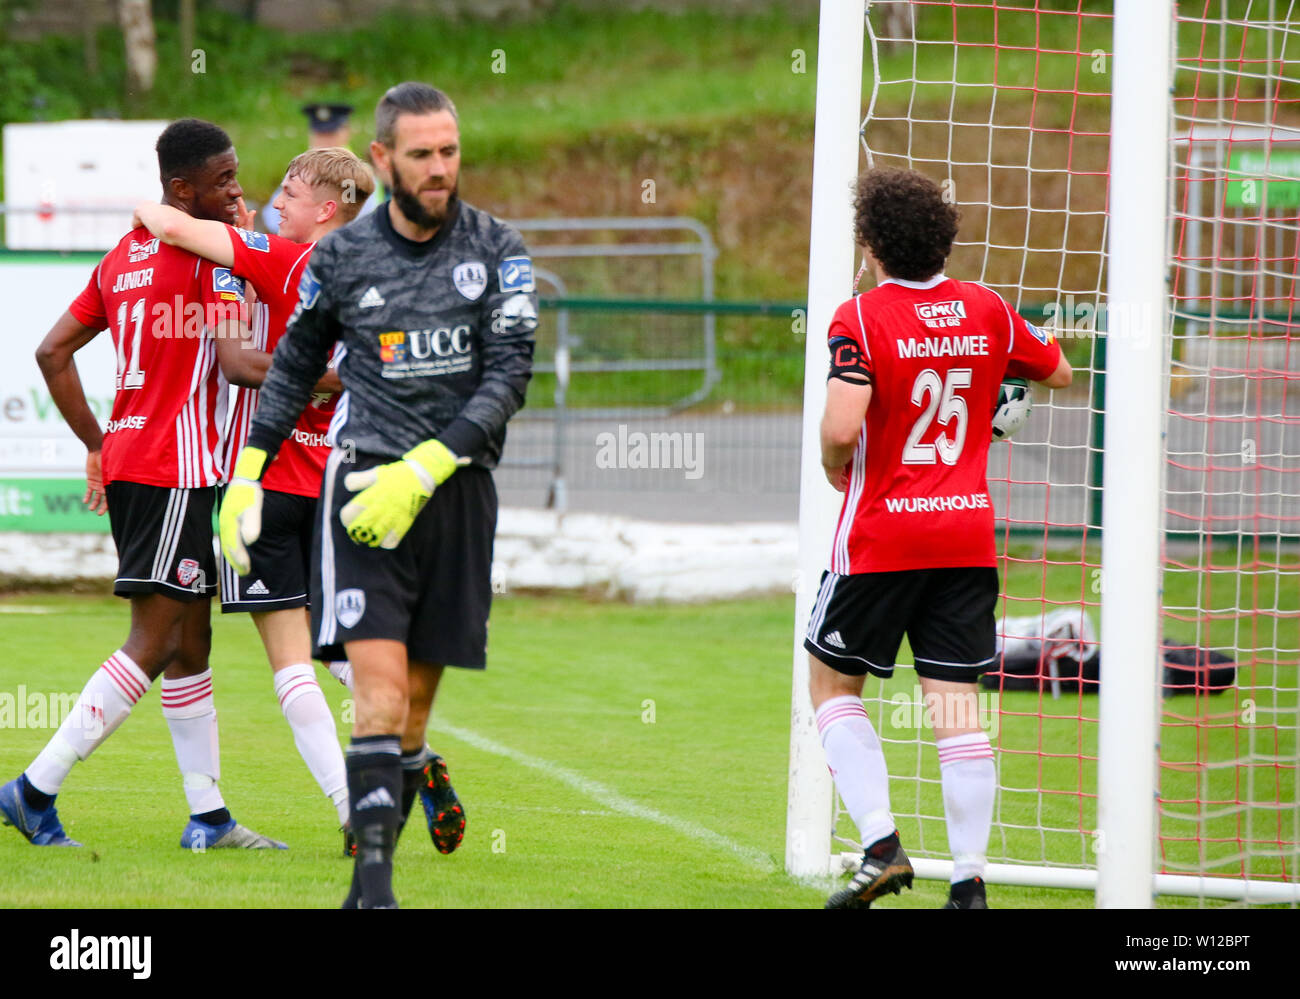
[
  {"x": 516, "y": 274},
  {"x": 226, "y": 285},
  {"x": 308, "y": 290},
  {"x": 1045, "y": 337},
  {"x": 470, "y": 278},
  {"x": 255, "y": 240}
]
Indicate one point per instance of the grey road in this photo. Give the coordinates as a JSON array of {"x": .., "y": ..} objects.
[{"x": 1233, "y": 462}]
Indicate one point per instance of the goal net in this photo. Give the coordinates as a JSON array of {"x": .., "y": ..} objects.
[{"x": 1008, "y": 105}]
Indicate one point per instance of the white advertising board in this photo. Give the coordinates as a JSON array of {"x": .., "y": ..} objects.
[
  {"x": 34, "y": 439},
  {"x": 70, "y": 185}
]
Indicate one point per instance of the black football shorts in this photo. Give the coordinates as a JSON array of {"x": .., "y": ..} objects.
[
  {"x": 432, "y": 592},
  {"x": 280, "y": 558},
  {"x": 858, "y": 622},
  {"x": 164, "y": 540}
]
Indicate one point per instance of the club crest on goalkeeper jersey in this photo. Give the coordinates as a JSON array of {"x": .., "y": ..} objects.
[
  {"x": 936, "y": 353},
  {"x": 157, "y": 301}
]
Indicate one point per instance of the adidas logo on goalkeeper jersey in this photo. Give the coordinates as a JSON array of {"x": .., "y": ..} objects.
[
  {"x": 834, "y": 639},
  {"x": 371, "y": 299}
]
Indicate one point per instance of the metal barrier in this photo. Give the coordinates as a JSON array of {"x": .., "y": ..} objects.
[{"x": 589, "y": 426}]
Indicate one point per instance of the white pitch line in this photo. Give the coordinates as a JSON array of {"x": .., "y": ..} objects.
[
  {"x": 20, "y": 609},
  {"x": 610, "y": 798}
]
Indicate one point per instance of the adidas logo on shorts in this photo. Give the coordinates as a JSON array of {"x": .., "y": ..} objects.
[
  {"x": 371, "y": 299},
  {"x": 258, "y": 589},
  {"x": 834, "y": 639}
]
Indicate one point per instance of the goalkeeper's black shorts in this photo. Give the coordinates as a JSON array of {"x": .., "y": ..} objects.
[
  {"x": 432, "y": 592},
  {"x": 858, "y": 622}
]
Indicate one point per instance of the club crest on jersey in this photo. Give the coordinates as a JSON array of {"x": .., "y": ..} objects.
[
  {"x": 255, "y": 240},
  {"x": 392, "y": 347},
  {"x": 188, "y": 571},
  {"x": 349, "y": 605},
  {"x": 228, "y": 287},
  {"x": 516, "y": 274},
  {"x": 1045, "y": 337},
  {"x": 939, "y": 315},
  {"x": 470, "y": 278}
]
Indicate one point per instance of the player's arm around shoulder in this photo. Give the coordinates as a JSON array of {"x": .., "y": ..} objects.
[{"x": 172, "y": 226}]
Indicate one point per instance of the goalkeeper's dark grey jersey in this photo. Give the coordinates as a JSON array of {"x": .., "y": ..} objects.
[{"x": 437, "y": 337}]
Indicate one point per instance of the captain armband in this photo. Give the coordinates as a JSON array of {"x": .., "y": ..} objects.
[{"x": 848, "y": 362}]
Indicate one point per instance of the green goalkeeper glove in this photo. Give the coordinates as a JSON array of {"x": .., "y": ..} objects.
[
  {"x": 240, "y": 522},
  {"x": 392, "y": 495}
]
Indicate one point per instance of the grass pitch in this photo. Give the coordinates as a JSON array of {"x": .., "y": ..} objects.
[{"x": 611, "y": 756}]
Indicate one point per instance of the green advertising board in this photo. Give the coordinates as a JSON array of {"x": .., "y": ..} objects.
[
  {"x": 1262, "y": 176},
  {"x": 46, "y": 505}
]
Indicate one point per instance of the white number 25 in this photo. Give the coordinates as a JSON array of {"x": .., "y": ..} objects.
[{"x": 938, "y": 396}]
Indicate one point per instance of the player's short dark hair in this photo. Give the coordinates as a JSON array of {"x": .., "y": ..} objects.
[
  {"x": 903, "y": 218},
  {"x": 408, "y": 98},
  {"x": 186, "y": 145}
]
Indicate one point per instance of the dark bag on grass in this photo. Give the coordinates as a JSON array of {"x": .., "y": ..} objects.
[{"x": 1189, "y": 670}]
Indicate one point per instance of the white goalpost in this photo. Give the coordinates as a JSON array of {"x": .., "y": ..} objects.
[{"x": 1128, "y": 175}]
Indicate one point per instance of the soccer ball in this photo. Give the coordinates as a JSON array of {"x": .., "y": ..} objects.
[{"x": 1014, "y": 402}]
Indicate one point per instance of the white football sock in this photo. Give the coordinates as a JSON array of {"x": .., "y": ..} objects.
[
  {"x": 106, "y": 700},
  {"x": 341, "y": 670},
  {"x": 308, "y": 715},
  {"x": 192, "y": 718},
  {"x": 858, "y": 765},
  {"x": 969, "y": 784}
]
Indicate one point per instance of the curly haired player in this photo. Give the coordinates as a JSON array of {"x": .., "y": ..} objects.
[{"x": 916, "y": 364}]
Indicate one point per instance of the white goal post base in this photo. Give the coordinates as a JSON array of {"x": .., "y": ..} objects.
[{"x": 1080, "y": 879}]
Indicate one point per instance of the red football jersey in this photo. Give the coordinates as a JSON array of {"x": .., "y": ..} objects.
[
  {"x": 168, "y": 414},
  {"x": 937, "y": 352},
  {"x": 274, "y": 266}
]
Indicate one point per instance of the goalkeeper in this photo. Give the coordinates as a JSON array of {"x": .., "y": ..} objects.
[{"x": 435, "y": 305}]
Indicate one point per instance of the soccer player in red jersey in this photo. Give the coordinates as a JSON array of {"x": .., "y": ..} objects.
[
  {"x": 154, "y": 468},
  {"x": 916, "y": 367},
  {"x": 323, "y": 189}
]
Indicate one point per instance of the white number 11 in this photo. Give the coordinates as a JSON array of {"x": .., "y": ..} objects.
[{"x": 129, "y": 377}]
